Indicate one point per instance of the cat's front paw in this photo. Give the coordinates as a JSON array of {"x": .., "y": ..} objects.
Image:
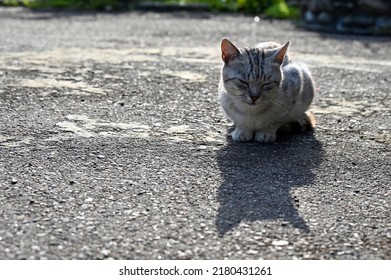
[
  {"x": 242, "y": 135},
  {"x": 265, "y": 137}
]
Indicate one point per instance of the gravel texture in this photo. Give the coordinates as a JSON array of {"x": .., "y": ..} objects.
[{"x": 113, "y": 144}]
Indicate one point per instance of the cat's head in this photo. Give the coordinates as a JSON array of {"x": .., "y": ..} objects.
[{"x": 253, "y": 74}]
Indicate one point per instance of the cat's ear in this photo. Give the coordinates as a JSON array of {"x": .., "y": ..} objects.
[
  {"x": 279, "y": 56},
  {"x": 228, "y": 50}
]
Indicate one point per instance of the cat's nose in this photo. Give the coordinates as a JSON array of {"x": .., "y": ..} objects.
[{"x": 254, "y": 98}]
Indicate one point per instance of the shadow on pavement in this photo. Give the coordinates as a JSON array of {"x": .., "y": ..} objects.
[{"x": 258, "y": 179}]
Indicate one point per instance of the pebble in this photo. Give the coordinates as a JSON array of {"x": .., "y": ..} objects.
[
  {"x": 202, "y": 147},
  {"x": 280, "y": 242},
  {"x": 105, "y": 252},
  {"x": 35, "y": 248},
  {"x": 252, "y": 252}
]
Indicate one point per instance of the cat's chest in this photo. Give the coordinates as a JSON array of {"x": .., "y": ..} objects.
[{"x": 256, "y": 115}]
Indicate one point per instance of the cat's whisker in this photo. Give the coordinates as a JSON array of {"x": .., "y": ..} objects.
[{"x": 239, "y": 97}]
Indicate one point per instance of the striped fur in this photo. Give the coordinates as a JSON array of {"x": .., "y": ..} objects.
[{"x": 261, "y": 90}]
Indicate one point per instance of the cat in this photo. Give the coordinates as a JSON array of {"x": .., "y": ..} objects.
[{"x": 261, "y": 90}]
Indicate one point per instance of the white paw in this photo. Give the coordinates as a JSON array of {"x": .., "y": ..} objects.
[
  {"x": 265, "y": 137},
  {"x": 242, "y": 135}
]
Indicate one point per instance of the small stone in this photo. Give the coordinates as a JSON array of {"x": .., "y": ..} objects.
[
  {"x": 252, "y": 252},
  {"x": 202, "y": 147},
  {"x": 14, "y": 181},
  {"x": 280, "y": 242},
  {"x": 35, "y": 248},
  {"x": 105, "y": 252},
  {"x": 85, "y": 206},
  {"x": 100, "y": 156}
]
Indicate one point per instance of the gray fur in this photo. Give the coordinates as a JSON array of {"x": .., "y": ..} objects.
[{"x": 261, "y": 89}]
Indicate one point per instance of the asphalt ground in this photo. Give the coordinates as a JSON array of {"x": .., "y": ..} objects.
[{"x": 113, "y": 144}]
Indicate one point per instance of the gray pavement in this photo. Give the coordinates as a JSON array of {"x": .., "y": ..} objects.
[{"x": 113, "y": 145}]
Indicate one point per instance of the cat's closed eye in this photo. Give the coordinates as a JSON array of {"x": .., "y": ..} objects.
[
  {"x": 238, "y": 83},
  {"x": 242, "y": 83},
  {"x": 269, "y": 85}
]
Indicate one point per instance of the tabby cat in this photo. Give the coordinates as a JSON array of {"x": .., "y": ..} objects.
[{"x": 261, "y": 90}]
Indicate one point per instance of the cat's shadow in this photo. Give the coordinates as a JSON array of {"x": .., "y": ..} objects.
[{"x": 258, "y": 180}]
